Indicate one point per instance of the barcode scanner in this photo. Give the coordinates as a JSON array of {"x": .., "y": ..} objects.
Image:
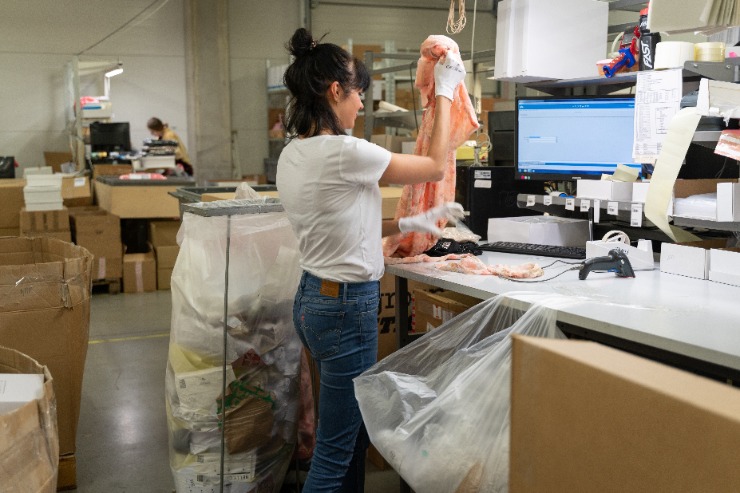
[{"x": 616, "y": 261}]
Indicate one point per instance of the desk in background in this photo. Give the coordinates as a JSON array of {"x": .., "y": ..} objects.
[{"x": 687, "y": 323}]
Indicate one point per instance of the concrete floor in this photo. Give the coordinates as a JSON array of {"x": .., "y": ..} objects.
[{"x": 122, "y": 435}]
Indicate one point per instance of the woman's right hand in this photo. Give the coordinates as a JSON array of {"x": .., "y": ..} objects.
[{"x": 448, "y": 73}]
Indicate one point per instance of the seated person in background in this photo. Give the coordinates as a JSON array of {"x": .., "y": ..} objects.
[{"x": 162, "y": 131}]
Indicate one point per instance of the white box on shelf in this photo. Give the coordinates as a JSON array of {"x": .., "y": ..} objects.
[
  {"x": 728, "y": 202},
  {"x": 541, "y": 230},
  {"x": 724, "y": 266},
  {"x": 689, "y": 259},
  {"x": 640, "y": 191},
  {"x": 620, "y": 191},
  {"x": 530, "y": 39}
]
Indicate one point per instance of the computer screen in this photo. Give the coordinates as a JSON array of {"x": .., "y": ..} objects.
[
  {"x": 110, "y": 137},
  {"x": 570, "y": 138}
]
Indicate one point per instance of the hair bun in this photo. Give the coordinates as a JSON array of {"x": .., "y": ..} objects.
[{"x": 301, "y": 43}]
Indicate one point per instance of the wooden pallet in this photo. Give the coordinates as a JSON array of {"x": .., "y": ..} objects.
[{"x": 110, "y": 286}]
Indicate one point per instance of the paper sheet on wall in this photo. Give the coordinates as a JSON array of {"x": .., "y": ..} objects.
[
  {"x": 681, "y": 130},
  {"x": 657, "y": 99}
]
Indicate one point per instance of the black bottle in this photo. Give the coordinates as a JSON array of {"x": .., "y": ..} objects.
[{"x": 648, "y": 42}]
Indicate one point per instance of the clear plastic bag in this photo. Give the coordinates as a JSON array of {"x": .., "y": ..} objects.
[
  {"x": 438, "y": 409},
  {"x": 262, "y": 357}
]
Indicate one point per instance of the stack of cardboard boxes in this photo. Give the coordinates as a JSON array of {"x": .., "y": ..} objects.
[
  {"x": 100, "y": 233},
  {"x": 163, "y": 237},
  {"x": 45, "y": 314}
]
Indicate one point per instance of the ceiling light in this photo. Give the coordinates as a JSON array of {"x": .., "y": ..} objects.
[{"x": 115, "y": 71}]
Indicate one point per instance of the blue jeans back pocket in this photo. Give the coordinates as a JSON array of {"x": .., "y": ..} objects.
[{"x": 321, "y": 324}]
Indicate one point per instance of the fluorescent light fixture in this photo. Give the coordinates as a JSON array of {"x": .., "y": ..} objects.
[{"x": 114, "y": 72}]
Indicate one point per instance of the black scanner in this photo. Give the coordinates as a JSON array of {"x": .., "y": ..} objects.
[{"x": 616, "y": 261}]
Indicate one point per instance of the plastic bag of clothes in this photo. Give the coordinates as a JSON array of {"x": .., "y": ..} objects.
[
  {"x": 261, "y": 363},
  {"x": 438, "y": 409}
]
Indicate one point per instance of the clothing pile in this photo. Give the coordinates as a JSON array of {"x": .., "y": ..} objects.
[{"x": 262, "y": 356}]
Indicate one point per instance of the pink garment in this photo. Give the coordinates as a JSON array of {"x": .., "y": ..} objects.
[{"x": 418, "y": 198}]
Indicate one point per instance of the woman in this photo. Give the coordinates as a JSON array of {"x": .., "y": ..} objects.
[
  {"x": 328, "y": 184},
  {"x": 162, "y": 131}
]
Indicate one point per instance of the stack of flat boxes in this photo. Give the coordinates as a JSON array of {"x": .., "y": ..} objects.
[{"x": 44, "y": 213}]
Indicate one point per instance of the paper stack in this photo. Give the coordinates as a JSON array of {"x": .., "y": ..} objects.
[{"x": 43, "y": 192}]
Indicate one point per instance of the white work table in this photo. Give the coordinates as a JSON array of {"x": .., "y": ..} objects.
[{"x": 690, "y": 323}]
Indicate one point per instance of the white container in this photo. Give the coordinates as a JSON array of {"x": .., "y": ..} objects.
[
  {"x": 673, "y": 54},
  {"x": 724, "y": 266},
  {"x": 604, "y": 190},
  {"x": 540, "y": 230}
]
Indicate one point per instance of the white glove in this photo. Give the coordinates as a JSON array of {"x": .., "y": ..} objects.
[
  {"x": 448, "y": 73},
  {"x": 426, "y": 222}
]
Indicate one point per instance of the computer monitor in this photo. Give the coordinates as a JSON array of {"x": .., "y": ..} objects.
[
  {"x": 571, "y": 138},
  {"x": 110, "y": 137}
]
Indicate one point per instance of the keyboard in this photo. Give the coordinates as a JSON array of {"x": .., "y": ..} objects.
[{"x": 535, "y": 249}]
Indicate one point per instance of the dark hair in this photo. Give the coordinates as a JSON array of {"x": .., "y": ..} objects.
[
  {"x": 315, "y": 67},
  {"x": 155, "y": 124}
]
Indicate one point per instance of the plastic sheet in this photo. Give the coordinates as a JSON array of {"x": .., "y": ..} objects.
[
  {"x": 438, "y": 409},
  {"x": 262, "y": 357}
]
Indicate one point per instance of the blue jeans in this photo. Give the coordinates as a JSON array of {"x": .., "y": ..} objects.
[{"x": 340, "y": 330}]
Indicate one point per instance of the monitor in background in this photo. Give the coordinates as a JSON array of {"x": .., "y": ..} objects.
[
  {"x": 571, "y": 138},
  {"x": 110, "y": 137}
]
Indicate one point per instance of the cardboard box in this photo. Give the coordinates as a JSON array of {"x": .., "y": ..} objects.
[
  {"x": 111, "y": 170},
  {"x": 11, "y": 202},
  {"x": 54, "y": 224},
  {"x": 724, "y": 266},
  {"x": 100, "y": 233},
  {"x": 540, "y": 230},
  {"x": 10, "y": 232},
  {"x": 29, "y": 440},
  {"x": 132, "y": 201},
  {"x": 56, "y": 159},
  {"x": 391, "y": 142},
  {"x": 76, "y": 191},
  {"x": 166, "y": 256},
  {"x": 139, "y": 273},
  {"x": 47, "y": 316},
  {"x": 390, "y": 197},
  {"x": 164, "y": 232},
  {"x": 387, "y": 334},
  {"x": 690, "y": 259},
  {"x": 604, "y": 190},
  {"x": 430, "y": 310},
  {"x": 728, "y": 202},
  {"x": 586, "y": 417}
]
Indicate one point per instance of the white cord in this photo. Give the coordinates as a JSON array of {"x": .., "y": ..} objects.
[{"x": 454, "y": 27}]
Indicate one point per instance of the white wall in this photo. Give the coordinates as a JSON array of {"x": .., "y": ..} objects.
[{"x": 37, "y": 40}]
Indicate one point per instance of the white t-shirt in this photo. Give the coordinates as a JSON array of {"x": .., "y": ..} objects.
[{"x": 328, "y": 186}]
